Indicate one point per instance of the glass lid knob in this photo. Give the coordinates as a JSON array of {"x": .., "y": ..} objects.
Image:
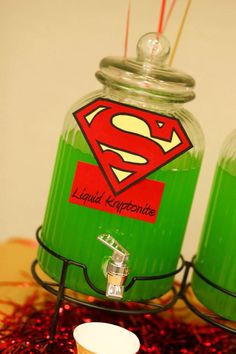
[{"x": 153, "y": 48}]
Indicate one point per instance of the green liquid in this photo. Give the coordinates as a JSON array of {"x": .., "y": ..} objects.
[
  {"x": 217, "y": 251},
  {"x": 71, "y": 230}
]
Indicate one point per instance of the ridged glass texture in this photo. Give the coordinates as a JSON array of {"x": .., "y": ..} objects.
[
  {"x": 217, "y": 249},
  {"x": 71, "y": 230}
]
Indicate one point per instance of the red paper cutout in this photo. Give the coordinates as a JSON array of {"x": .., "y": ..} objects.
[{"x": 130, "y": 143}]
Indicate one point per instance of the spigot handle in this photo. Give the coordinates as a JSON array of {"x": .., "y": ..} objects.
[
  {"x": 116, "y": 270},
  {"x": 120, "y": 254}
]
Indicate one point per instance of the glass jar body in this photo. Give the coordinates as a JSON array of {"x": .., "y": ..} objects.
[
  {"x": 71, "y": 230},
  {"x": 216, "y": 254}
]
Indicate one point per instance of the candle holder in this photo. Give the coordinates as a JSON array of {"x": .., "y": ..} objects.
[{"x": 130, "y": 308}]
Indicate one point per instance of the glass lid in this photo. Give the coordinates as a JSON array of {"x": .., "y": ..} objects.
[{"x": 148, "y": 71}]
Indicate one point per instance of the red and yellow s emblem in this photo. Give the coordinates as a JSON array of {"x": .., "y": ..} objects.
[{"x": 130, "y": 143}]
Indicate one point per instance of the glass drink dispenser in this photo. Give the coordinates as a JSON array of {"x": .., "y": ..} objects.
[
  {"x": 217, "y": 250},
  {"x": 125, "y": 174}
]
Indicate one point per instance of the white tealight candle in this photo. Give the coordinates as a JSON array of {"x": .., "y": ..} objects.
[{"x": 105, "y": 338}]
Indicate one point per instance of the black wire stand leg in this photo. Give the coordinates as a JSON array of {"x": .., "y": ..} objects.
[
  {"x": 60, "y": 297},
  {"x": 183, "y": 286}
]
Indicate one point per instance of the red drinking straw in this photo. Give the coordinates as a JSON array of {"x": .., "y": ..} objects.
[
  {"x": 127, "y": 29},
  {"x": 168, "y": 15},
  {"x": 161, "y": 18}
]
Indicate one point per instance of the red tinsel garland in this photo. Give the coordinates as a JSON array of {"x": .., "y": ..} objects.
[{"x": 26, "y": 330}]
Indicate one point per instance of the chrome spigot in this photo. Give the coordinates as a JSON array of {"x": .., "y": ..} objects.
[{"x": 117, "y": 269}]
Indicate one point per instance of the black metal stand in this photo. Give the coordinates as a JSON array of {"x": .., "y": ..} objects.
[
  {"x": 212, "y": 318},
  {"x": 152, "y": 306}
]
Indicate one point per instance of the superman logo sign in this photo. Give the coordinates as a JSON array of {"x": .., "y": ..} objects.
[{"x": 129, "y": 143}]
